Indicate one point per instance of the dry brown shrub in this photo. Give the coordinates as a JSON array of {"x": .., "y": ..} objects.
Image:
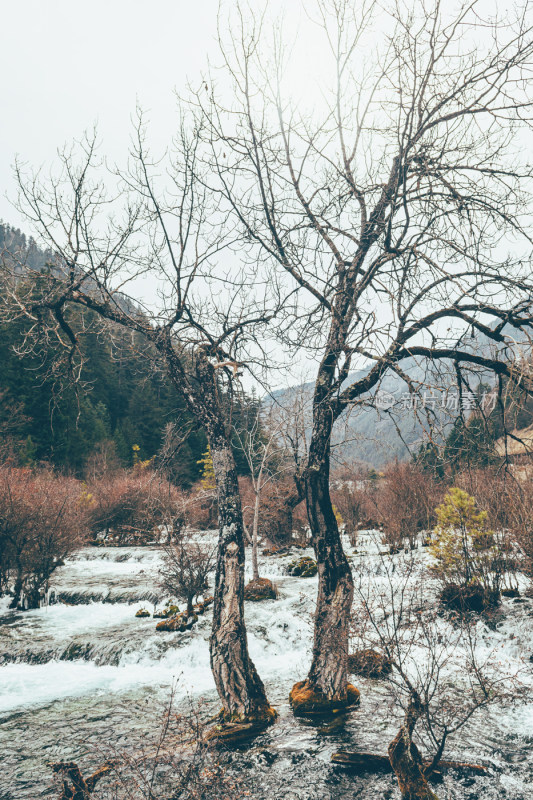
[
  {"x": 354, "y": 501},
  {"x": 135, "y": 506},
  {"x": 43, "y": 518},
  {"x": 202, "y": 508},
  {"x": 280, "y": 513},
  {"x": 507, "y": 497},
  {"x": 406, "y": 499}
]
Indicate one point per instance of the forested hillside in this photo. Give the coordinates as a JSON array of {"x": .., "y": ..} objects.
[{"x": 120, "y": 398}]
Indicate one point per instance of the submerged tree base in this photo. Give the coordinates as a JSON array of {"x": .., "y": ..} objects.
[
  {"x": 408, "y": 766},
  {"x": 307, "y": 699},
  {"x": 236, "y": 729},
  {"x": 74, "y": 785}
]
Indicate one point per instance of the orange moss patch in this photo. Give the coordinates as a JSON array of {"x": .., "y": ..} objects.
[
  {"x": 260, "y": 589},
  {"x": 370, "y": 664},
  {"x": 236, "y": 728},
  {"x": 307, "y": 699}
]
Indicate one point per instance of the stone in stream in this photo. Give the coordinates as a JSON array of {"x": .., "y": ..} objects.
[
  {"x": 201, "y": 608},
  {"x": 142, "y": 612},
  {"x": 304, "y": 567},
  {"x": 369, "y": 664},
  {"x": 169, "y": 611},
  {"x": 180, "y": 622},
  {"x": 259, "y": 589}
]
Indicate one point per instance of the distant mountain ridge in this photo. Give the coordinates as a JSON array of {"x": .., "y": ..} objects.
[{"x": 375, "y": 435}]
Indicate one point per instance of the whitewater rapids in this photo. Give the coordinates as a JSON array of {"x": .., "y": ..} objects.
[{"x": 86, "y": 671}]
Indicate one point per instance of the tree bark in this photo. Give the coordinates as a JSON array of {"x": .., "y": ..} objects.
[
  {"x": 406, "y": 760},
  {"x": 329, "y": 667},
  {"x": 238, "y": 685},
  {"x": 17, "y": 593},
  {"x": 255, "y": 528}
]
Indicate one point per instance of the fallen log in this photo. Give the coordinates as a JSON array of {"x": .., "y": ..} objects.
[
  {"x": 363, "y": 762},
  {"x": 372, "y": 762}
]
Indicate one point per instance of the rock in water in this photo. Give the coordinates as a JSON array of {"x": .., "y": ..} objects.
[
  {"x": 180, "y": 622},
  {"x": 303, "y": 568},
  {"x": 369, "y": 663},
  {"x": 260, "y": 589},
  {"x": 169, "y": 611}
]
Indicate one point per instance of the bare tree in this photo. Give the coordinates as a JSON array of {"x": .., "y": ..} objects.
[
  {"x": 261, "y": 445},
  {"x": 186, "y": 568},
  {"x": 197, "y": 326},
  {"x": 438, "y": 680},
  {"x": 397, "y": 212}
]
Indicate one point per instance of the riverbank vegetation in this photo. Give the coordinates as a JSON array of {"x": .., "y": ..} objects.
[{"x": 386, "y": 237}]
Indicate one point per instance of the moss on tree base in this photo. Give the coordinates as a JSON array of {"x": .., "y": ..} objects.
[
  {"x": 236, "y": 729},
  {"x": 307, "y": 699}
]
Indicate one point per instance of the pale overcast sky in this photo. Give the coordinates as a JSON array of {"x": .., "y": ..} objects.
[{"x": 66, "y": 64}]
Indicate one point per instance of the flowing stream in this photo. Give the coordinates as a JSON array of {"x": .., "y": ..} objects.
[{"x": 85, "y": 673}]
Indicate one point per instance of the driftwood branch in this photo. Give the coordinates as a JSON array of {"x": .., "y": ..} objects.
[
  {"x": 372, "y": 762},
  {"x": 80, "y": 788}
]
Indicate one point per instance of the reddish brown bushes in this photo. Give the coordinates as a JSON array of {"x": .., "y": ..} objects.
[
  {"x": 134, "y": 506},
  {"x": 406, "y": 499},
  {"x": 281, "y": 513},
  {"x": 139, "y": 506},
  {"x": 354, "y": 502},
  {"x": 507, "y": 497},
  {"x": 42, "y": 520}
]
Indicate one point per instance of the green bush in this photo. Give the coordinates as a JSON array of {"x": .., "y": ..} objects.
[{"x": 467, "y": 554}]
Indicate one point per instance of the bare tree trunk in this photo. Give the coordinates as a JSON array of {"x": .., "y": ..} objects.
[
  {"x": 255, "y": 564},
  {"x": 238, "y": 684},
  {"x": 17, "y": 593},
  {"x": 328, "y": 675},
  {"x": 406, "y": 760},
  {"x": 329, "y": 667},
  {"x": 190, "y": 610}
]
